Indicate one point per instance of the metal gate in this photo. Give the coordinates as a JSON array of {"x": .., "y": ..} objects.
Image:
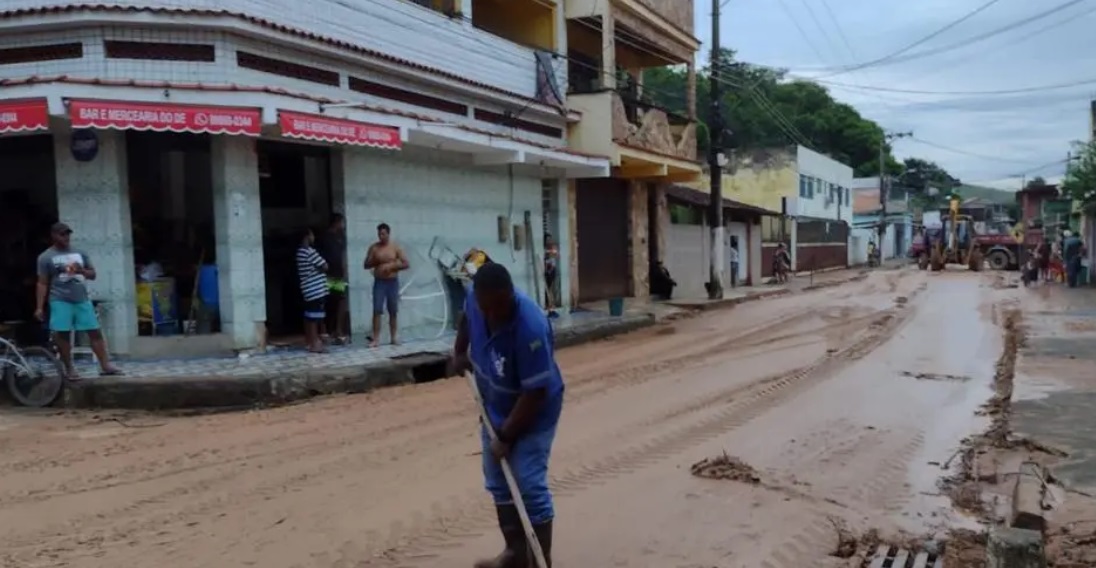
[{"x": 604, "y": 265}]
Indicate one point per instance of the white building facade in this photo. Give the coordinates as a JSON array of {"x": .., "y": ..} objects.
[{"x": 224, "y": 129}]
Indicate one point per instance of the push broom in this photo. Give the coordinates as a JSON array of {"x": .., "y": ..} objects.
[{"x": 511, "y": 482}]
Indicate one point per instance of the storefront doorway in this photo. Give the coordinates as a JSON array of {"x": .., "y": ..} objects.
[
  {"x": 28, "y": 206},
  {"x": 174, "y": 253},
  {"x": 295, "y": 192}
]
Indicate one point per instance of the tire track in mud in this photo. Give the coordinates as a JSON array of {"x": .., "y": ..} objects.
[
  {"x": 817, "y": 537},
  {"x": 226, "y": 470},
  {"x": 472, "y": 514},
  {"x": 430, "y": 427},
  {"x": 581, "y": 386},
  {"x": 318, "y": 440}
]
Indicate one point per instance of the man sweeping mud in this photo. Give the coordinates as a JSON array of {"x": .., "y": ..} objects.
[{"x": 506, "y": 340}]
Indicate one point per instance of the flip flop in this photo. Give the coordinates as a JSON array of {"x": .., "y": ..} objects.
[{"x": 112, "y": 373}]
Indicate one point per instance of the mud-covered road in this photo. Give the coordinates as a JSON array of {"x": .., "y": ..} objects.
[{"x": 840, "y": 398}]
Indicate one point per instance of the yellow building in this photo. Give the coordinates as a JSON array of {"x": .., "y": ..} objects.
[{"x": 615, "y": 221}]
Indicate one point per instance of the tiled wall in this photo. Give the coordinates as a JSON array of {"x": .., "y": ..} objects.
[
  {"x": 424, "y": 195},
  {"x": 238, "y": 231},
  {"x": 395, "y": 27},
  {"x": 92, "y": 198},
  {"x": 224, "y": 71}
]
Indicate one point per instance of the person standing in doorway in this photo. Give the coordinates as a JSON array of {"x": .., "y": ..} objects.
[
  {"x": 386, "y": 259},
  {"x": 311, "y": 268},
  {"x": 62, "y": 275},
  {"x": 332, "y": 247},
  {"x": 507, "y": 341},
  {"x": 734, "y": 262}
]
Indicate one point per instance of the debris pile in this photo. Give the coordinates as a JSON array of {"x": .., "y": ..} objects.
[{"x": 726, "y": 467}]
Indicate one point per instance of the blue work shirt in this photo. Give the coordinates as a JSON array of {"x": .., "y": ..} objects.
[{"x": 518, "y": 357}]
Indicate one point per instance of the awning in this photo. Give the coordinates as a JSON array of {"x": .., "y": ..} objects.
[
  {"x": 490, "y": 150},
  {"x": 338, "y": 130},
  {"x": 160, "y": 117},
  {"x": 26, "y": 115}
]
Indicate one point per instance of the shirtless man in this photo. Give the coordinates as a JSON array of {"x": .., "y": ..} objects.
[{"x": 386, "y": 259}]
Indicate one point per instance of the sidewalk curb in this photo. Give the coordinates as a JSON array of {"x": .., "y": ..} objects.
[
  {"x": 272, "y": 389},
  {"x": 730, "y": 302}
]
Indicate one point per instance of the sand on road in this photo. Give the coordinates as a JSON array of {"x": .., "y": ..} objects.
[{"x": 826, "y": 394}]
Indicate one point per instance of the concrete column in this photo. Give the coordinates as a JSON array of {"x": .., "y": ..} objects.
[
  {"x": 351, "y": 171},
  {"x": 93, "y": 198},
  {"x": 639, "y": 232},
  {"x": 572, "y": 244},
  {"x": 238, "y": 228},
  {"x": 690, "y": 97},
  {"x": 565, "y": 236},
  {"x": 608, "y": 50}
]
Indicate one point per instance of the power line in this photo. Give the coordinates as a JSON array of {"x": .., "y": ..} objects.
[
  {"x": 1012, "y": 42},
  {"x": 962, "y": 152},
  {"x": 992, "y": 92},
  {"x": 818, "y": 23},
  {"x": 840, "y": 30},
  {"x": 802, "y": 32},
  {"x": 895, "y": 58},
  {"x": 927, "y": 38}
]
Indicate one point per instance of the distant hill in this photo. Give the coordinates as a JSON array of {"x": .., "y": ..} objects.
[{"x": 1001, "y": 196}]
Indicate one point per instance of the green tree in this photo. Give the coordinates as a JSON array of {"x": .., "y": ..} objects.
[
  {"x": 1080, "y": 181},
  {"x": 762, "y": 109},
  {"x": 1036, "y": 183}
]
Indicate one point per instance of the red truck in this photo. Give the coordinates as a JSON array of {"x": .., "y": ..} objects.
[{"x": 1001, "y": 250}]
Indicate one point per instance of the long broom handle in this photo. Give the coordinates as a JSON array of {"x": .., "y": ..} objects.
[{"x": 515, "y": 492}]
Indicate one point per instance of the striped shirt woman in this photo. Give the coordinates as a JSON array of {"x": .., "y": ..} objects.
[{"x": 311, "y": 268}]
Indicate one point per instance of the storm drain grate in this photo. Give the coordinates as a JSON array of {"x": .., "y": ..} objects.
[{"x": 887, "y": 556}]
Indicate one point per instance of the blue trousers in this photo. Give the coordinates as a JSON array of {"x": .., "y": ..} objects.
[
  {"x": 529, "y": 462},
  {"x": 1073, "y": 271}
]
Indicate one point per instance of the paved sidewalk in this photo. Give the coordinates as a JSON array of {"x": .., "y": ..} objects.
[
  {"x": 802, "y": 282},
  {"x": 288, "y": 374},
  {"x": 1055, "y": 386}
]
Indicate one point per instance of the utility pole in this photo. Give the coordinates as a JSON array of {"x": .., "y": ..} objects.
[
  {"x": 715, "y": 168},
  {"x": 884, "y": 190}
]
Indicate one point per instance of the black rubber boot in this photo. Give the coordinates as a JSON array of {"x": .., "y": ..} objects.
[
  {"x": 544, "y": 536},
  {"x": 514, "y": 555}
]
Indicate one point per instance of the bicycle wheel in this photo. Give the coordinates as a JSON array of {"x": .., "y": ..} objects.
[{"x": 44, "y": 382}]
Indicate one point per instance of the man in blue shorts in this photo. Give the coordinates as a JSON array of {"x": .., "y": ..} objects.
[
  {"x": 62, "y": 273},
  {"x": 386, "y": 259},
  {"x": 505, "y": 338}
]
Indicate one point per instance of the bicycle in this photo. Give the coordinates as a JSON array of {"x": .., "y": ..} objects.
[{"x": 34, "y": 375}]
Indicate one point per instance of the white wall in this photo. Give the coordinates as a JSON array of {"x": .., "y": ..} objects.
[
  {"x": 858, "y": 244},
  {"x": 688, "y": 260},
  {"x": 813, "y": 164},
  {"x": 423, "y": 195},
  {"x": 402, "y": 29}
]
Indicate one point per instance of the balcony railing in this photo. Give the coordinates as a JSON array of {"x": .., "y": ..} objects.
[{"x": 641, "y": 124}]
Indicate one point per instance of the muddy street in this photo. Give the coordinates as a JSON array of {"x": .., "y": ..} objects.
[{"x": 844, "y": 404}]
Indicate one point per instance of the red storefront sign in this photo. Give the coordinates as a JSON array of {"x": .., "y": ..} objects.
[
  {"x": 27, "y": 115},
  {"x": 339, "y": 131},
  {"x": 158, "y": 117}
]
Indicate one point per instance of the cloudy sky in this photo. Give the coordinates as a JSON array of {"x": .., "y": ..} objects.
[{"x": 997, "y": 135}]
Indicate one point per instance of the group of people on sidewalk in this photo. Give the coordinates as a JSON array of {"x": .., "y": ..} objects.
[
  {"x": 1057, "y": 261},
  {"x": 322, "y": 267}
]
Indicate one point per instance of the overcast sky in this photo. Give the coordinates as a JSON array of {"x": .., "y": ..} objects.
[{"x": 1007, "y": 134}]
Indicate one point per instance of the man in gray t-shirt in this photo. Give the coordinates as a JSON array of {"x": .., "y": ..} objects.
[{"x": 62, "y": 273}]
